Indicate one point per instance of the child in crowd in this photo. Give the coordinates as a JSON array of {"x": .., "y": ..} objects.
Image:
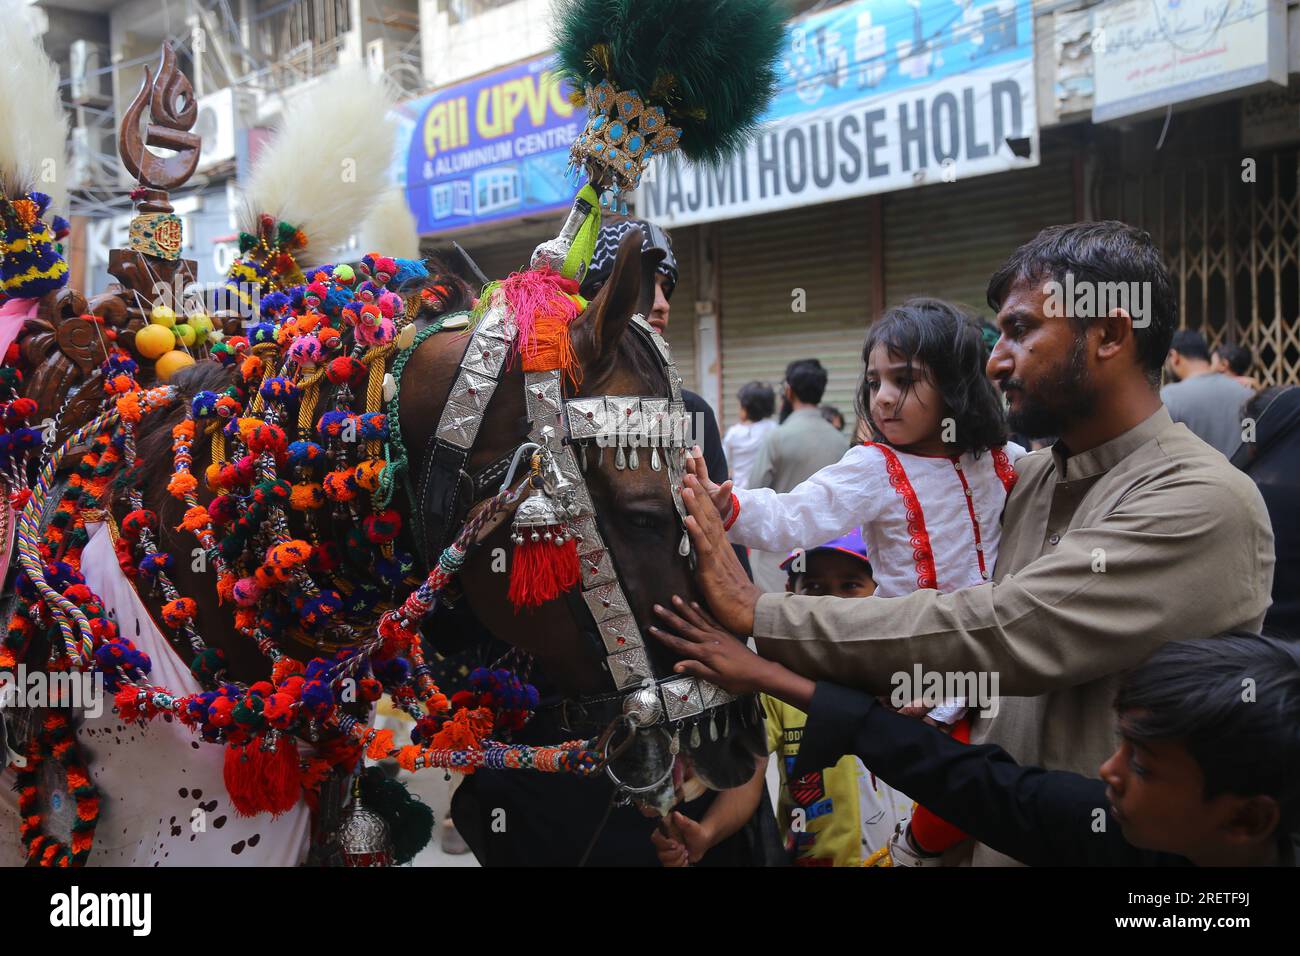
[
  {"x": 834, "y": 816},
  {"x": 746, "y": 437},
  {"x": 1205, "y": 772},
  {"x": 929, "y": 488}
]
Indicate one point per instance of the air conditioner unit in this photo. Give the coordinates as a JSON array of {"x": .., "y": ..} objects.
[
  {"x": 221, "y": 115},
  {"x": 86, "y": 86}
]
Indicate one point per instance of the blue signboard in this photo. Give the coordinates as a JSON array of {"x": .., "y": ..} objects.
[{"x": 492, "y": 148}]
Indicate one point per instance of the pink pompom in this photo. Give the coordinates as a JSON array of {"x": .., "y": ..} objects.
[
  {"x": 379, "y": 334},
  {"x": 247, "y": 592},
  {"x": 306, "y": 351},
  {"x": 390, "y": 303}
]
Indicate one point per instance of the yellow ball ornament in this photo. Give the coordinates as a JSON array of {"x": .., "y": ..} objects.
[
  {"x": 186, "y": 333},
  {"x": 162, "y": 315},
  {"x": 153, "y": 341},
  {"x": 202, "y": 326},
  {"x": 171, "y": 363}
]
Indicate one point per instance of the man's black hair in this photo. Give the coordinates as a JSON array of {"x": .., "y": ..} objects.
[
  {"x": 1190, "y": 344},
  {"x": 1099, "y": 252},
  {"x": 950, "y": 343},
  {"x": 758, "y": 400},
  {"x": 807, "y": 379},
  {"x": 1237, "y": 357},
  {"x": 1234, "y": 702}
]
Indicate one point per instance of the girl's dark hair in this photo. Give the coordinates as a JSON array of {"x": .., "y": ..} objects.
[
  {"x": 758, "y": 400},
  {"x": 949, "y": 343},
  {"x": 1234, "y": 701}
]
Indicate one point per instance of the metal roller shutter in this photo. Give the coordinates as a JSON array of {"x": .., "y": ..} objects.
[
  {"x": 946, "y": 240},
  {"x": 820, "y": 249},
  {"x": 681, "y": 318}
]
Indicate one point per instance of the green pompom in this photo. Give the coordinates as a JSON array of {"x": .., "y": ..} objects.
[
  {"x": 247, "y": 242},
  {"x": 409, "y": 820},
  {"x": 709, "y": 65},
  {"x": 284, "y": 233}
]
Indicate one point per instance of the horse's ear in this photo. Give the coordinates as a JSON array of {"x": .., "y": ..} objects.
[{"x": 628, "y": 290}]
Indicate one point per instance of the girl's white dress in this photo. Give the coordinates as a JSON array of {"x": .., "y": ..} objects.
[{"x": 927, "y": 521}]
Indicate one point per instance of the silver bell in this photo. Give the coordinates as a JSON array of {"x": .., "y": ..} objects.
[{"x": 364, "y": 837}]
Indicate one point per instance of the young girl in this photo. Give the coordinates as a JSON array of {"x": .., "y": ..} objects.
[{"x": 927, "y": 490}]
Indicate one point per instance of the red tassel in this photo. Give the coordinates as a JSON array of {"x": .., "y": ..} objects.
[
  {"x": 261, "y": 781},
  {"x": 542, "y": 571}
]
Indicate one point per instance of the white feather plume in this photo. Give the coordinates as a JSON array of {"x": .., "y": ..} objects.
[
  {"x": 33, "y": 125},
  {"x": 390, "y": 228},
  {"x": 328, "y": 164}
]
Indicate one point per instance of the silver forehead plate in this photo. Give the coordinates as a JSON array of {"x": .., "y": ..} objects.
[
  {"x": 542, "y": 394},
  {"x": 587, "y": 417},
  {"x": 629, "y": 667},
  {"x": 624, "y": 414},
  {"x": 620, "y": 634},
  {"x": 711, "y": 695},
  {"x": 654, "y": 420},
  {"x": 681, "y": 698},
  {"x": 597, "y": 568},
  {"x": 459, "y": 425},
  {"x": 606, "y": 601},
  {"x": 485, "y": 356},
  {"x": 472, "y": 390}
]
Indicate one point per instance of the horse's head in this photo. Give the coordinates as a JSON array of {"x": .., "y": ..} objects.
[{"x": 638, "y": 520}]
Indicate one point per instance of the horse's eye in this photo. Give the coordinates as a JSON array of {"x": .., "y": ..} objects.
[{"x": 646, "y": 520}]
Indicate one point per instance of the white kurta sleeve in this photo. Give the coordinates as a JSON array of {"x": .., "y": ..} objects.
[
  {"x": 834, "y": 501},
  {"x": 1014, "y": 452}
]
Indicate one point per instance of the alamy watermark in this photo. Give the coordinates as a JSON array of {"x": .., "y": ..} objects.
[
  {"x": 1085, "y": 299},
  {"x": 977, "y": 689},
  {"x": 80, "y": 690}
]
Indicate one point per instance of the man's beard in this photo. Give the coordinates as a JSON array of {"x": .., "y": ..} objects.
[
  {"x": 786, "y": 409},
  {"x": 1064, "y": 397}
]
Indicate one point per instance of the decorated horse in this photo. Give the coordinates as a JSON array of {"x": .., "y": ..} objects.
[{"x": 251, "y": 553}]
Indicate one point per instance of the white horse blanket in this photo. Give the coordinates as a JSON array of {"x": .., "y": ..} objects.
[{"x": 162, "y": 798}]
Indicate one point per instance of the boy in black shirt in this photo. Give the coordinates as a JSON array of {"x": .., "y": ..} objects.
[{"x": 1207, "y": 771}]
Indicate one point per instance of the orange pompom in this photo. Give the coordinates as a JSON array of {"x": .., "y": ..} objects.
[
  {"x": 284, "y": 668},
  {"x": 182, "y": 483},
  {"x": 305, "y": 497},
  {"x": 226, "y": 587},
  {"x": 212, "y": 474},
  {"x": 381, "y": 746},
  {"x": 184, "y": 429},
  {"x": 128, "y": 406},
  {"x": 368, "y": 473},
  {"x": 196, "y": 518}
]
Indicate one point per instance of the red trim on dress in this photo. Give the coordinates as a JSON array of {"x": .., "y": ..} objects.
[
  {"x": 1005, "y": 470},
  {"x": 926, "y": 576}
]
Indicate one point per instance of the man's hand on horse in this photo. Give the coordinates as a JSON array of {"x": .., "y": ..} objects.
[
  {"x": 720, "y": 495},
  {"x": 730, "y": 594},
  {"x": 721, "y": 658}
]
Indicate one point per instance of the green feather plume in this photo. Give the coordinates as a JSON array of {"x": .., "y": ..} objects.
[{"x": 708, "y": 63}]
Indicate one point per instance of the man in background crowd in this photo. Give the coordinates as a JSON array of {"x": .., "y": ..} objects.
[
  {"x": 802, "y": 445},
  {"x": 1234, "y": 361},
  {"x": 746, "y": 437},
  {"x": 1207, "y": 402}
]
